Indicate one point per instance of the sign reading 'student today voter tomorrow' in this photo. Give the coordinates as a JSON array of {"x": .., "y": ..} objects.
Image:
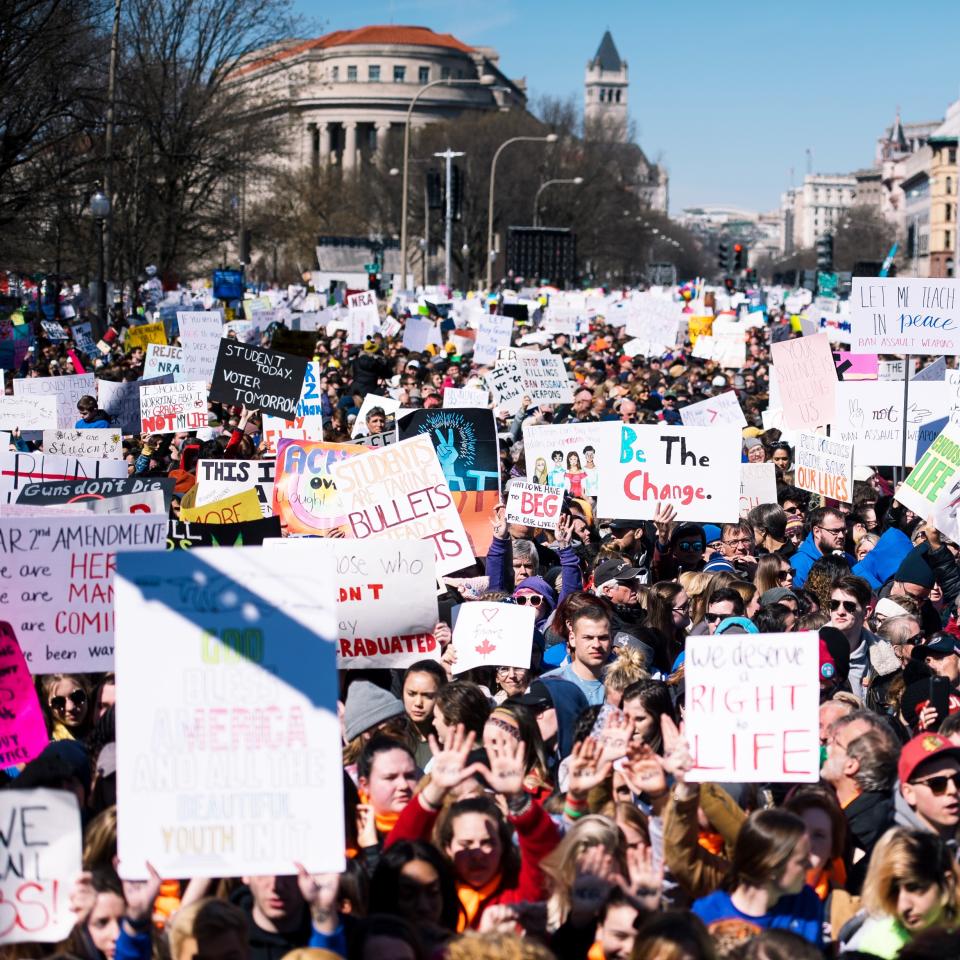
[{"x": 258, "y": 379}]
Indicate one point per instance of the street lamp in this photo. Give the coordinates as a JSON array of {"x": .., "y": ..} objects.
[
  {"x": 100, "y": 208},
  {"x": 487, "y": 80},
  {"x": 491, "y": 254},
  {"x": 543, "y": 186}
]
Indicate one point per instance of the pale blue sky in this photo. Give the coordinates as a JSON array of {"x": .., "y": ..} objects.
[{"x": 728, "y": 95}]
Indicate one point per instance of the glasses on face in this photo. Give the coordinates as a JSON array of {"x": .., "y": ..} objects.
[
  {"x": 715, "y": 617},
  {"x": 695, "y": 545},
  {"x": 793, "y": 511},
  {"x": 534, "y": 599},
  {"x": 784, "y": 575},
  {"x": 736, "y": 543},
  {"x": 78, "y": 698},
  {"x": 683, "y": 608},
  {"x": 938, "y": 785},
  {"x": 834, "y": 531},
  {"x": 847, "y": 605}
]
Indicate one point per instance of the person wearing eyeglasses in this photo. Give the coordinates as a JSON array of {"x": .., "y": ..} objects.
[
  {"x": 725, "y": 602},
  {"x": 850, "y": 598},
  {"x": 737, "y": 546},
  {"x": 828, "y": 533},
  {"x": 67, "y": 698},
  {"x": 929, "y": 795}
]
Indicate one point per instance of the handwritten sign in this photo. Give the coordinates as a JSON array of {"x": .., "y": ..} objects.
[
  {"x": 233, "y": 509},
  {"x": 28, "y": 413},
  {"x": 807, "y": 377},
  {"x": 98, "y": 489},
  {"x": 752, "y": 707},
  {"x": 493, "y": 333},
  {"x": 96, "y": 443},
  {"x": 222, "y": 479},
  {"x": 465, "y": 397},
  {"x": 56, "y": 584},
  {"x": 137, "y": 338},
  {"x": 122, "y": 401},
  {"x": 905, "y": 315},
  {"x": 489, "y": 634},
  {"x": 723, "y": 408},
  {"x": 563, "y": 456},
  {"x": 758, "y": 484},
  {"x": 41, "y": 846},
  {"x": 696, "y": 469},
  {"x": 162, "y": 359},
  {"x": 307, "y": 423},
  {"x": 932, "y": 483},
  {"x": 537, "y": 374},
  {"x": 200, "y": 333},
  {"x": 23, "y": 731},
  {"x": 362, "y": 316},
  {"x": 67, "y": 390},
  {"x": 825, "y": 466},
  {"x": 18, "y": 469},
  {"x": 258, "y": 378},
  {"x": 533, "y": 505},
  {"x": 171, "y": 407}
]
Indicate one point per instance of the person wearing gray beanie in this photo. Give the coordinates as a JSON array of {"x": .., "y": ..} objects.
[{"x": 367, "y": 706}]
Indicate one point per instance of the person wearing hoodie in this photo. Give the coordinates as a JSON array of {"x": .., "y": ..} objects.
[
  {"x": 277, "y": 916},
  {"x": 556, "y": 704},
  {"x": 828, "y": 531},
  {"x": 91, "y": 416},
  {"x": 928, "y": 797}
]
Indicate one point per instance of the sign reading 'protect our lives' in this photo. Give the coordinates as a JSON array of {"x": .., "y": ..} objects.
[{"x": 694, "y": 469}]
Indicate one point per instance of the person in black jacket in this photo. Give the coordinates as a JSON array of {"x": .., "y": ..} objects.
[
  {"x": 369, "y": 369},
  {"x": 278, "y": 920}
]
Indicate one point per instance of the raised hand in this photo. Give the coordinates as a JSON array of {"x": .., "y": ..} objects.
[
  {"x": 499, "y": 521},
  {"x": 366, "y": 826},
  {"x": 616, "y": 736},
  {"x": 564, "y": 531},
  {"x": 319, "y": 890},
  {"x": 506, "y": 770},
  {"x": 140, "y": 895},
  {"x": 644, "y": 883},
  {"x": 586, "y": 769},
  {"x": 82, "y": 896},
  {"x": 676, "y": 759},
  {"x": 591, "y": 885},
  {"x": 663, "y": 517},
  {"x": 643, "y": 771}
]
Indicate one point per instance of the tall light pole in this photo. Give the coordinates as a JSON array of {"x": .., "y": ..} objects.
[
  {"x": 448, "y": 156},
  {"x": 100, "y": 208},
  {"x": 491, "y": 256},
  {"x": 543, "y": 186},
  {"x": 487, "y": 80}
]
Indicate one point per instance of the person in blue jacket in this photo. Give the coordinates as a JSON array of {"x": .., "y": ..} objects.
[
  {"x": 828, "y": 531},
  {"x": 91, "y": 416}
]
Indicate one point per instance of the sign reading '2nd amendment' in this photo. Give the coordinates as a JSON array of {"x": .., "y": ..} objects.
[{"x": 258, "y": 379}]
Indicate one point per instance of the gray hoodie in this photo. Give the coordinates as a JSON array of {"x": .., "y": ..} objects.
[{"x": 905, "y": 816}]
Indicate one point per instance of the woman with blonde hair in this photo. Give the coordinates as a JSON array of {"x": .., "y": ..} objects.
[
  {"x": 627, "y": 667},
  {"x": 911, "y": 885},
  {"x": 67, "y": 701},
  {"x": 695, "y": 585}
]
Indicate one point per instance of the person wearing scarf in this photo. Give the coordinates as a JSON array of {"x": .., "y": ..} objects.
[{"x": 473, "y": 834}]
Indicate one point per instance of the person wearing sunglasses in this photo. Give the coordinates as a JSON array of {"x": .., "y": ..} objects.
[
  {"x": 725, "y": 602},
  {"x": 929, "y": 797},
  {"x": 67, "y": 698},
  {"x": 850, "y": 598},
  {"x": 828, "y": 532}
]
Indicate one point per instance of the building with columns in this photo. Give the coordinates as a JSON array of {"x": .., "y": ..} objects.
[{"x": 340, "y": 97}]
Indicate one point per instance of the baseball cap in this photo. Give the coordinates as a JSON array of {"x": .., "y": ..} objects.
[
  {"x": 889, "y": 608},
  {"x": 776, "y": 594},
  {"x": 920, "y": 749},
  {"x": 614, "y": 569},
  {"x": 718, "y": 381},
  {"x": 941, "y": 643},
  {"x": 538, "y": 696}
]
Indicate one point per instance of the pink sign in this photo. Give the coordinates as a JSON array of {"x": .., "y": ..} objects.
[
  {"x": 856, "y": 366},
  {"x": 23, "y": 733}
]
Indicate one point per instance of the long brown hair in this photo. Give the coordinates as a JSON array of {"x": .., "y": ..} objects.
[{"x": 765, "y": 843}]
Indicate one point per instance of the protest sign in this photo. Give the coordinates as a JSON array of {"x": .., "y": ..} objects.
[
  {"x": 258, "y": 378},
  {"x": 304, "y": 494},
  {"x": 18, "y": 469},
  {"x": 469, "y": 454},
  {"x": 532, "y": 505},
  {"x": 362, "y": 316},
  {"x": 67, "y": 390},
  {"x": 61, "y": 608},
  {"x": 807, "y": 377},
  {"x": 372, "y": 400},
  {"x": 825, "y": 466},
  {"x": 137, "y": 338},
  {"x": 83, "y": 337},
  {"x": 723, "y": 408},
  {"x": 301, "y": 343},
  {"x": 562, "y": 456},
  {"x": 892, "y": 370},
  {"x": 933, "y": 479},
  {"x": 307, "y": 423},
  {"x": 171, "y": 407},
  {"x": 121, "y": 400},
  {"x": 251, "y": 533},
  {"x": 28, "y": 413},
  {"x": 161, "y": 359},
  {"x": 229, "y": 747},
  {"x": 654, "y": 320},
  {"x": 489, "y": 634},
  {"x": 493, "y": 333},
  {"x": 97, "y": 490},
  {"x": 560, "y": 319},
  {"x": 237, "y": 508},
  {"x": 23, "y": 729},
  {"x": 401, "y": 492},
  {"x": 417, "y": 333},
  {"x": 905, "y": 315},
  {"x": 856, "y": 366},
  {"x": 758, "y": 484},
  {"x": 456, "y": 397},
  {"x": 869, "y": 415},
  {"x": 220, "y": 479},
  {"x": 932, "y": 371},
  {"x": 537, "y": 374},
  {"x": 96, "y": 443},
  {"x": 200, "y": 333},
  {"x": 378, "y": 440},
  {"x": 506, "y": 386},
  {"x": 695, "y": 469},
  {"x": 151, "y": 501},
  {"x": 752, "y": 708},
  {"x": 41, "y": 848}
]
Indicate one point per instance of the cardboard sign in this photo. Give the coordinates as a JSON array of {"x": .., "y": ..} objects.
[
  {"x": 19, "y": 469},
  {"x": 563, "y": 455},
  {"x": 307, "y": 424},
  {"x": 238, "y": 508},
  {"x": 162, "y": 359},
  {"x": 23, "y": 730},
  {"x": 533, "y": 505},
  {"x": 723, "y": 408},
  {"x": 95, "y": 443},
  {"x": 78, "y": 491},
  {"x": 824, "y": 466},
  {"x": 363, "y": 318},
  {"x": 200, "y": 333},
  {"x": 122, "y": 401},
  {"x": 458, "y": 397},
  {"x": 490, "y": 634},
  {"x": 28, "y": 413},
  {"x": 137, "y": 338},
  {"x": 67, "y": 390},
  {"x": 172, "y": 407},
  {"x": 401, "y": 492},
  {"x": 758, "y": 485},
  {"x": 244, "y": 698},
  {"x": 61, "y": 605},
  {"x": 251, "y": 533},
  {"x": 932, "y": 483},
  {"x": 258, "y": 378},
  {"x": 905, "y": 315},
  {"x": 752, "y": 708},
  {"x": 807, "y": 377},
  {"x": 695, "y": 469},
  {"x": 493, "y": 333},
  {"x": 41, "y": 845},
  {"x": 222, "y": 479},
  {"x": 304, "y": 493}
]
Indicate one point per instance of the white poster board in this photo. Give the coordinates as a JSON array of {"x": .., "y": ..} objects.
[
  {"x": 162, "y": 359},
  {"x": 67, "y": 390},
  {"x": 96, "y": 443},
  {"x": 758, "y": 485},
  {"x": 454, "y": 397},
  {"x": 825, "y": 466},
  {"x": 493, "y": 333},
  {"x": 490, "y": 634},
  {"x": 172, "y": 407},
  {"x": 200, "y": 333},
  {"x": 362, "y": 316},
  {"x": 220, "y": 479},
  {"x": 533, "y": 505},
  {"x": 18, "y": 469},
  {"x": 29, "y": 413},
  {"x": 723, "y": 408},
  {"x": 905, "y": 315}
]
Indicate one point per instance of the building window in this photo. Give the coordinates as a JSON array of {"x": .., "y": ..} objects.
[
  {"x": 373, "y": 73},
  {"x": 444, "y": 73},
  {"x": 335, "y": 74},
  {"x": 423, "y": 75},
  {"x": 947, "y": 238},
  {"x": 618, "y": 96},
  {"x": 948, "y": 186},
  {"x": 399, "y": 74},
  {"x": 351, "y": 74},
  {"x": 952, "y": 155},
  {"x": 602, "y": 92},
  {"x": 947, "y": 212}
]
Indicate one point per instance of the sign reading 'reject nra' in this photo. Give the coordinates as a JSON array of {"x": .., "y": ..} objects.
[{"x": 258, "y": 379}]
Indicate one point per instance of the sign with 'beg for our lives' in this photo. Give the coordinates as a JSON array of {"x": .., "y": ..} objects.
[
  {"x": 258, "y": 379},
  {"x": 534, "y": 505}
]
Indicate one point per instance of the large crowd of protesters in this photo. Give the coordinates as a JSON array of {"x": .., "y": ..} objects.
[{"x": 485, "y": 815}]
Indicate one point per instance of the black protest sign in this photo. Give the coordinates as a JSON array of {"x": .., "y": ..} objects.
[
  {"x": 301, "y": 343},
  {"x": 94, "y": 488},
  {"x": 466, "y": 442},
  {"x": 251, "y": 533},
  {"x": 258, "y": 379}
]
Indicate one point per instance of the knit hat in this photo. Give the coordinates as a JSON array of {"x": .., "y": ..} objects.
[
  {"x": 863, "y": 474},
  {"x": 750, "y": 442},
  {"x": 775, "y": 595},
  {"x": 718, "y": 562},
  {"x": 884, "y": 659},
  {"x": 794, "y": 525},
  {"x": 914, "y": 569},
  {"x": 367, "y": 705},
  {"x": 736, "y": 625},
  {"x": 539, "y": 585},
  {"x": 711, "y": 532}
]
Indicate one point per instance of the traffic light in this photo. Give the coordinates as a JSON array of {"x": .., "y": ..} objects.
[
  {"x": 246, "y": 241},
  {"x": 739, "y": 256},
  {"x": 434, "y": 190},
  {"x": 825, "y": 253},
  {"x": 456, "y": 189},
  {"x": 730, "y": 284},
  {"x": 724, "y": 256}
]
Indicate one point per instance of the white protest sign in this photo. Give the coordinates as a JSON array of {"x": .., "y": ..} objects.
[
  {"x": 563, "y": 455},
  {"x": 493, "y": 333},
  {"x": 723, "y": 408},
  {"x": 752, "y": 707},
  {"x": 220, "y": 479},
  {"x": 825, "y": 466},
  {"x": 96, "y": 443},
  {"x": 308, "y": 422},
  {"x": 417, "y": 333},
  {"x": 229, "y": 746},
  {"x": 162, "y": 359},
  {"x": 695, "y": 469},
  {"x": 18, "y": 469},
  {"x": 537, "y": 374},
  {"x": 952, "y": 392},
  {"x": 67, "y": 391},
  {"x": 62, "y": 608},
  {"x": 371, "y": 401},
  {"x": 905, "y": 315},
  {"x": 654, "y": 320},
  {"x": 28, "y": 413},
  {"x": 560, "y": 319},
  {"x": 725, "y": 344},
  {"x": 400, "y": 492},
  {"x": 41, "y": 842},
  {"x": 533, "y": 505},
  {"x": 170, "y": 407},
  {"x": 362, "y": 316},
  {"x": 465, "y": 397},
  {"x": 489, "y": 634},
  {"x": 758, "y": 485},
  {"x": 200, "y": 333}
]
